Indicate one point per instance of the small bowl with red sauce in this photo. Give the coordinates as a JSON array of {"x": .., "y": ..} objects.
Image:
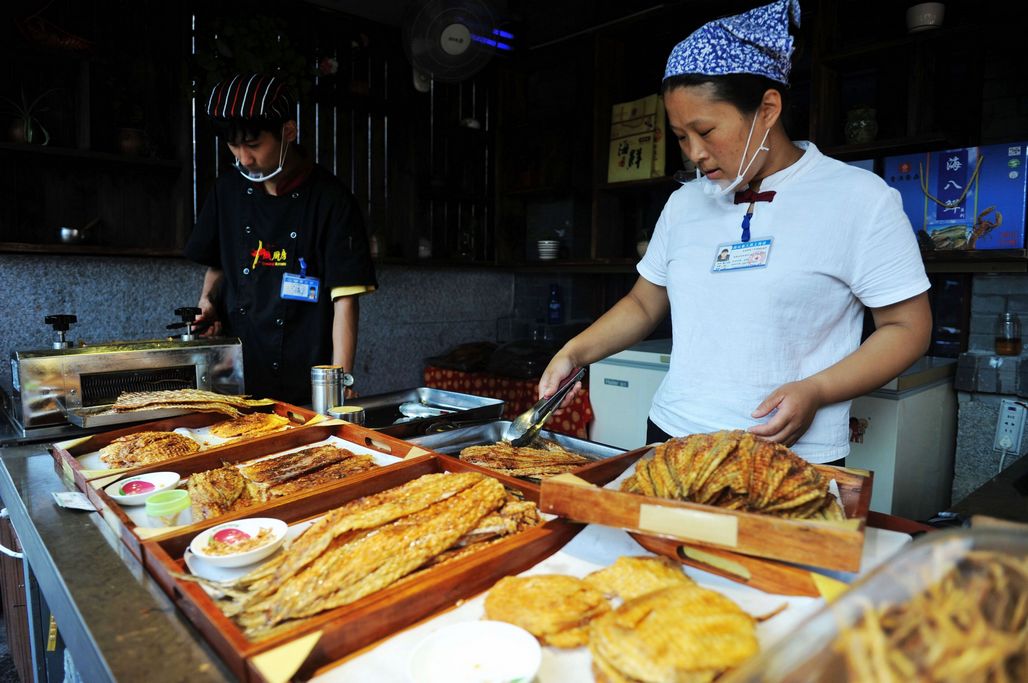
[
  {"x": 135, "y": 490},
  {"x": 240, "y": 542}
]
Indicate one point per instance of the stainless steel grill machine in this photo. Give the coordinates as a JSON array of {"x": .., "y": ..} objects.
[{"x": 49, "y": 387}]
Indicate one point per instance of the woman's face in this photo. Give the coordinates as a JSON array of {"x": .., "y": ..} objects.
[{"x": 712, "y": 133}]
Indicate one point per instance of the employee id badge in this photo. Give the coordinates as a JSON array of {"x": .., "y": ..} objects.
[
  {"x": 742, "y": 255},
  {"x": 300, "y": 287}
]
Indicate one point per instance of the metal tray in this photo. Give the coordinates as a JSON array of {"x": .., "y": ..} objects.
[
  {"x": 382, "y": 411},
  {"x": 454, "y": 441},
  {"x": 92, "y": 417}
]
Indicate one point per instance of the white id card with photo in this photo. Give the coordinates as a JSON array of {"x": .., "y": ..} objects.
[
  {"x": 742, "y": 255},
  {"x": 300, "y": 288}
]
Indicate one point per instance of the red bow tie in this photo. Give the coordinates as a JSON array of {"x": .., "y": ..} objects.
[{"x": 749, "y": 196}]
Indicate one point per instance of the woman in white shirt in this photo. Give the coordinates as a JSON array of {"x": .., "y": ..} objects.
[{"x": 768, "y": 338}]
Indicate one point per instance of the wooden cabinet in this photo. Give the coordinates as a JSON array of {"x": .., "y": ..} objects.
[
  {"x": 113, "y": 112},
  {"x": 921, "y": 90}
]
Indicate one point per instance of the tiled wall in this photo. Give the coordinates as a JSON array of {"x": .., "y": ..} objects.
[
  {"x": 415, "y": 314},
  {"x": 990, "y": 296}
]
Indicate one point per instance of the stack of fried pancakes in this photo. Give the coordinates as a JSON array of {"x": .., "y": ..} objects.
[
  {"x": 737, "y": 471},
  {"x": 679, "y": 634},
  {"x": 667, "y": 628}
]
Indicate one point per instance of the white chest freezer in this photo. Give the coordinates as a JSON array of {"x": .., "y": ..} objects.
[
  {"x": 905, "y": 433},
  {"x": 621, "y": 389}
]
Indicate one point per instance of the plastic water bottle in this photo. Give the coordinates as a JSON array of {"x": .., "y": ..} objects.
[{"x": 554, "y": 311}]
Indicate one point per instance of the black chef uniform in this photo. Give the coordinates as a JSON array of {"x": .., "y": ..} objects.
[{"x": 254, "y": 238}]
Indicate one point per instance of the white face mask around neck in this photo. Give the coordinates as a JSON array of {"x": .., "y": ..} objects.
[
  {"x": 259, "y": 176},
  {"x": 721, "y": 188}
]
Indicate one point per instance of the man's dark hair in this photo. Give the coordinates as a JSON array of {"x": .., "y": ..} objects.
[{"x": 236, "y": 131}]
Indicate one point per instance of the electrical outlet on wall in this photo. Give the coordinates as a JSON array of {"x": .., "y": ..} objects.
[{"x": 1009, "y": 426}]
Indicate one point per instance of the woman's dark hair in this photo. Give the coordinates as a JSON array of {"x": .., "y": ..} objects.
[{"x": 744, "y": 91}]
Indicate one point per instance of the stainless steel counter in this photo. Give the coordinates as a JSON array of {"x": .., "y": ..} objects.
[{"x": 114, "y": 620}]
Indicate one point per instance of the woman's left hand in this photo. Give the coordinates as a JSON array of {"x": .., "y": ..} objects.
[{"x": 796, "y": 403}]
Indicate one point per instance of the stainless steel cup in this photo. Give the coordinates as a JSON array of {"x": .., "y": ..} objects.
[
  {"x": 326, "y": 387},
  {"x": 354, "y": 414}
]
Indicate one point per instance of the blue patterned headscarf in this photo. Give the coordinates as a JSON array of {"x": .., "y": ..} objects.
[{"x": 754, "y": 42}]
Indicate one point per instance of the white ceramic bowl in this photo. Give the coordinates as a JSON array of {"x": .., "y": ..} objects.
[
  {"x": 548, "y": 249},
  {"x": 135, "y": 490},
  {"x": 476, "y": 652},
  {"x": 250, "y": 527}
]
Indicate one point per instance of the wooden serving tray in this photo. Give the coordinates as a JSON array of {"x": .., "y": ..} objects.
[
  {"x": 336, "y": 633},
  {"x": 67, "y": 453},
  {"x": 130, "y": 533},
  {"x": 828, "y": 545}
]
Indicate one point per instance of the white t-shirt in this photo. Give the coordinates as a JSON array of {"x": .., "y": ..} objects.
[{"x": 840, "y": 242}]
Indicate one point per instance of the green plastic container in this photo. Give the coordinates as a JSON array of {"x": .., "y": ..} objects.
[{"x": 165, "y": 508}]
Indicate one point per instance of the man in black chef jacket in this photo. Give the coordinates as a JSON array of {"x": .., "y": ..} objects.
[{"x": 284, "y": 244}]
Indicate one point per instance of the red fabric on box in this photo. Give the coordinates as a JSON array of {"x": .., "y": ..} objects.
[{"x": 518, "y": 395}]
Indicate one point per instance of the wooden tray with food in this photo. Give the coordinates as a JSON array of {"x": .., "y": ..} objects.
[
  {"x": 731, "y": 492},
  {"x": 368, "y": 558},
  {"x": 213, "y": 421},
  {"x": 240, "y": 476}
]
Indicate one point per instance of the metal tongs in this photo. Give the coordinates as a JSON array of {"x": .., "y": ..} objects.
[{"x": 526, "y": 425}]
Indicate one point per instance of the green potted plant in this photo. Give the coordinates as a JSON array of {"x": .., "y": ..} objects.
[{"x": 26, "y": 127}]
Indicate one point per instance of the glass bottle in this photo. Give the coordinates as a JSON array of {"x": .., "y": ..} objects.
[
  {"x": 554, "y": 310},
  {"x": 1008, "y": 335}
]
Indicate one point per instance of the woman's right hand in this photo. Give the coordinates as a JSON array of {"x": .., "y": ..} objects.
[{"x": 559, "y": 368}]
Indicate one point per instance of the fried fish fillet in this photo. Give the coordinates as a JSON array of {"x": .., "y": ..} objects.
[
  {"x": 217, "y": 492},
  {"x": 368, "y": 544},
  {"x": 136, "y": 400},
  {"x": 630, "y": 577},
  {"x": 524, "y": 461},
  {"x": 230, "y": 488},
  {"x": 554, "y": 608},
  {"x": 352, "y": 568},
  {"x": 144, "y": 448},
  {"x": 364, "y": 513},
  {"x": 675, "y": 634},
  {"x": 737, "y": 471},
  {"x": 249, "y": 426}
]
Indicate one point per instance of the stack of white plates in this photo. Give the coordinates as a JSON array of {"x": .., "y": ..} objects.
[{"x": 548, "y": 249}]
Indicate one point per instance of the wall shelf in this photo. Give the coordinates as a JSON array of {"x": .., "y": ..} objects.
[
  {"x": 86, "y": 250},
  {"x": 983, "y": 261},
  {"x": 89, "y": 155}
]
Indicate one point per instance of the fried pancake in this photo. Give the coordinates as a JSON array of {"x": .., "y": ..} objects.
[
  {"x": 630, "y": 577},
  {"x": 249, "y": 426},
  {"x": 680, "y": 633},
  {"x": 552, "y": 607},
  {"x": 144, "y": 448}
]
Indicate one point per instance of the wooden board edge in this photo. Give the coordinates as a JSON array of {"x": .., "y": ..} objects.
[{"x": 813, "y": 543}]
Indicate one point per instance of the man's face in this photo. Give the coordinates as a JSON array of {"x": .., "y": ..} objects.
[{"x": 258, "y": 155}]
